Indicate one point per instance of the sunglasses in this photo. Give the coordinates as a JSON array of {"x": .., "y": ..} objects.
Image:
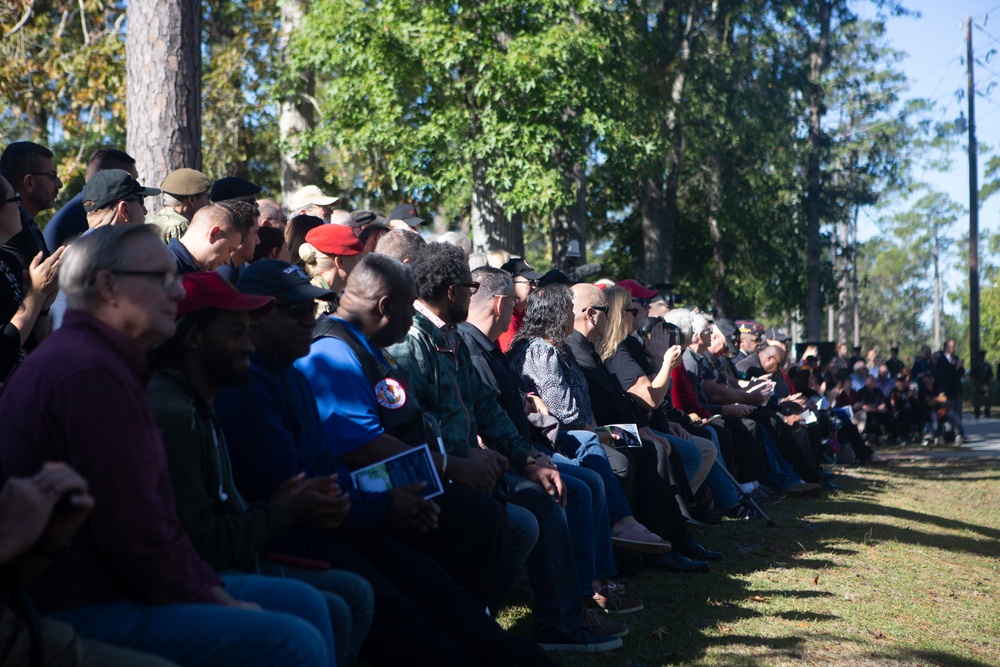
[
  {"x": 473, "y": 287},
  {"x": 634, "y": 311},
  {"x": 9, "y": 200},
  {"x": 642, "y": 302},
  {"x": 603, "y": 309}
]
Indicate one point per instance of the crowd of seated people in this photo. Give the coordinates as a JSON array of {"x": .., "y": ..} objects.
[{"x": 186, "y": 401}]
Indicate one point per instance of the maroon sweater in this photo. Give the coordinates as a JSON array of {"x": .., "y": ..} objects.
[{"x": 80, "y": 398}]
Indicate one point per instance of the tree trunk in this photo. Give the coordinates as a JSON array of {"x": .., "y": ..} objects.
[
  {"x": 570, "y": 224},
  {"x": 818, "y": 64},
  {"x": 298, "y": 161},
  {"x": 713, "y": 188},
  {"x": 163, "y": 89},
  {"x": 491, "y": 229},
  {"x": 657, "y": 236},
  {"x": 936, "y": 259},
  {"x": 659, "y": 200}
]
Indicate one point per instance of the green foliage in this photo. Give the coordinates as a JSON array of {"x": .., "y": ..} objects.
[{"x": 894, "y": 294}]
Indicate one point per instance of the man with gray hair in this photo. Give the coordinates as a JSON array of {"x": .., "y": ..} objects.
[
  {"x": 131, "y": 577},
  {"x": 271, "y": 214}
]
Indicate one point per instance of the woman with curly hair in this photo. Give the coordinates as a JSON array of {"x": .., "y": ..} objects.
[{"x": 547, "y": 371}]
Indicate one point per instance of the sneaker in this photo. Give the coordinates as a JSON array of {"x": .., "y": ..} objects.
[
  {"x": 808, "y": 490},
  {"x": 765, "y": 497},
  {"x": 613, "y": 586},
  {"x": 610, "y": 602},
  {"x": 959, "y": 440},
  {"x": 600, "y": 624},
  {"x": 742, "y": 511},
  {"x": 581, "y": 639}
]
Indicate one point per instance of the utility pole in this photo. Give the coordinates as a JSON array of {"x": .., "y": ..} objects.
[{"x": 973, "y": 210}]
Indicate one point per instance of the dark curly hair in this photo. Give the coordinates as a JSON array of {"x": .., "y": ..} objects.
[
  {"x": 545, "y": 317},
  {"x": 244, "y": 214},
  {"x": 438, "y": 267}
]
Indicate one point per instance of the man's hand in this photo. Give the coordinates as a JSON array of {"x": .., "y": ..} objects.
[
  {"x": 549, "y": 480},
  {"x": 71, "y": 504},
  {"x": 494, "y": 460},
  {"x": 678, "y": 431},
  {"x": 534, "y": 403},
  {"x": 411, "y": 511},
  {"x": 318, "y": 502},
  {"x": 735, "y": 410},
  {"x": 227, "y": 600},
  {"x": 472, "y": 472}
]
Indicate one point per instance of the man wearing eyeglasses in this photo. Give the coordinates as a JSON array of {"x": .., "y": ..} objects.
[
  {"x": 29, "y": 169},
  {"x": 525, "y": 282}
]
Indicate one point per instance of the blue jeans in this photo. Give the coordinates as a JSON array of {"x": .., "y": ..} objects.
[
  {"x": 293, "y": 630},
  {"x": 551, "y": 569},
  {"x": 688, "y": 451},
  {"x": 718, "y": 481},
  {"x": 782, "y": 474},
  {"x": 349, "y": 596},
  {"x": 523, "y": 535},
  {"x": 590, "y": 454},
  {"x": 589, "y": 528}
]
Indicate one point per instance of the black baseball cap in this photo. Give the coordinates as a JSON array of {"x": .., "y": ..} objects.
[
  {"x": 110, "y": 186},
  {"x": 407, "y": 214},
  {"x": 518, "y": 268},
  {"x": 731, "y": 332},
  {"x": 232, "y": 187},
  {"x": 271, "y": 277},
  {"x": 554, "y": 277}
]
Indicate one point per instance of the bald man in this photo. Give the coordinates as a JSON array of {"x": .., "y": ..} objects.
[{"x": 209, "y": 241}]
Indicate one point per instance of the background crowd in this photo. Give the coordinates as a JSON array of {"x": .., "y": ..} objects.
[{"x": 186, "y": 396}]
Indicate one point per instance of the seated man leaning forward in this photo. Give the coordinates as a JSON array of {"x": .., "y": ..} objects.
[
  {"x": 131, "y": 576},
  {"x": 211, "y": 349},
  {"x": 368, "y": 415}
]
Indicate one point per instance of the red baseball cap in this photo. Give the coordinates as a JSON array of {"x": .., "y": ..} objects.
[
  {"x": 637, "y": 290},
  {"x": 207, "y": 289},
  {"x": 338, "y": 240}
]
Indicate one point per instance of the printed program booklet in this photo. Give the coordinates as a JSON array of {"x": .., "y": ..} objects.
[{"x": 410, "y": 467}]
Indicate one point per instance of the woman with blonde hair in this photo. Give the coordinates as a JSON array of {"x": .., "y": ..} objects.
[
  {"x": 626, "y": 357},
  {"x": 329, "y": 254}
]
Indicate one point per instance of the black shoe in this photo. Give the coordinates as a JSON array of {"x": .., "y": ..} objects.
[
  {"x": 830, "y": 486},
  {"x": 675, "y": 562},
  {"x": 691, "y": 549}
]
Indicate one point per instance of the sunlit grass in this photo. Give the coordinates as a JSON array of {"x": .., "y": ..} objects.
[{"x": 902, "y": 567}]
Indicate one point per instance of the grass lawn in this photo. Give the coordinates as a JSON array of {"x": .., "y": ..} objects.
[{"x": 902, "y": 567}]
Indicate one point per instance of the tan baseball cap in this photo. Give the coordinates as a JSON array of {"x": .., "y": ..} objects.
[{"x": 310, "y": 195}]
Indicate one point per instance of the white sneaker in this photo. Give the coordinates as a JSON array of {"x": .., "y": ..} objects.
[{"x": 959, "y": 441}]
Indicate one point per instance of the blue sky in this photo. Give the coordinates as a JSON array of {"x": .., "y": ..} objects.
[{"x": 935, "y": 67}]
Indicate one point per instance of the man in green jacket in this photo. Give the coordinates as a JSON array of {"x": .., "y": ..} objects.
[{"x": 211, "y": 348}]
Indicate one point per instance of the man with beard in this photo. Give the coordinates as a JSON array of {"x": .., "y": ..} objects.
[
  {"x": 211, "y": 349},
  {"x": 274, "y": 432}
]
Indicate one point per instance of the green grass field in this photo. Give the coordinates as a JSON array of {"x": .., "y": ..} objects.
[{"x": 902, "y": 567}]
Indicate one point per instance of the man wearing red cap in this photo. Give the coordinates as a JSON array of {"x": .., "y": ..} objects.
[
  {"x": 330, "y": 253},
  {"x": 211, "y": 349}
]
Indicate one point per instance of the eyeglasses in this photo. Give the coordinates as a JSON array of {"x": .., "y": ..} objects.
[
  {"x": 296, "y": 311},
  {"x": 642, "y": 302},
  {"x": 167, "y": 278},
  {"x": 15, "y": 198},
  {"x": 51, "y": 174},
  {"x": 517, "y": 299},
  {"x": 603, "y": 309},
  {"x": 634, "y": 311},
  {"x": 473, "y": 287},
  {"x": 533, "y": 283}
]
